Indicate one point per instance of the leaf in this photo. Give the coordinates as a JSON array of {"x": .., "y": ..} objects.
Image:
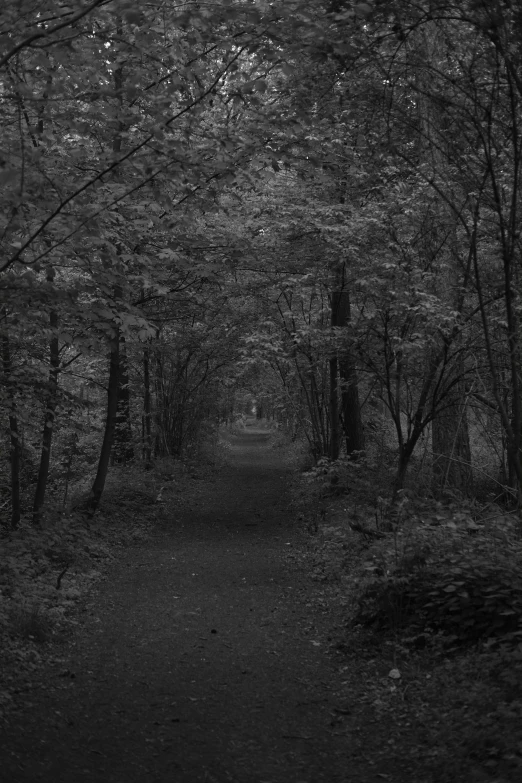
[
  {"x": 363, "y": 9},
  {"x": 8, "y": 175},
  {"x": 134, "y": 17}
]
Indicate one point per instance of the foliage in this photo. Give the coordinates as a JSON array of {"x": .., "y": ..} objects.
[
  {"x": 47, "y": 573},
  {"x": 446, "y": 573},
  {"x": 426, "y": 571},
  {"x": 196, "y": 188},
  {"x": 312, "y": 208},
  {"x": 377, "y": 566},
  {"x": 43, "y": 572}
]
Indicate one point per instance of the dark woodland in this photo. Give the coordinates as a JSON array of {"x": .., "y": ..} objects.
[{"x": 260, "y": 391}]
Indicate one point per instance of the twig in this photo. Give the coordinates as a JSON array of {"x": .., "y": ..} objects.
[{"x": 61, "y": 576}]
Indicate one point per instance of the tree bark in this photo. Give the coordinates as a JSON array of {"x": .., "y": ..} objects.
[
  {"x": 50, "y": 409},
  {"x": 123, "y": 450},
  {"x": 450, "y": 443},
  {"x": 161, "y": 407},
  {"x": 350, "y": 404},
  {"x": 147, "y": 409},
  {"x": 110, "y": 424},
  {"x": 334, "y": 409},
  {"x": 351, "y": 408},
  {"x": 14, "y": 435}
]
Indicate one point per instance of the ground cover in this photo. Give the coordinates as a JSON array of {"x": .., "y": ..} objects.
[
  {"x": 219, "y": 633},
  {"x": 434, "y": 589},
  {"x": 47, "y": 573}
]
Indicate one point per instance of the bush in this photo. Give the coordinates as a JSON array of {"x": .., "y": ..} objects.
[
  {"x": 42, "y": 572},
  {"x": 457, "y": 578},
  {"x": 474, "y": 599}
]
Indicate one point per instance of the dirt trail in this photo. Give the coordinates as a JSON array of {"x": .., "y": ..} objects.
[{"x": 204, "y": 658}]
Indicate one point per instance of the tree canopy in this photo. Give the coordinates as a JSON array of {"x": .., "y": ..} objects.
[{"x": 313, "y": 207}]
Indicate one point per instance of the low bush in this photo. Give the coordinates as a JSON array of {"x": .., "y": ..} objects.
[
  {"x": 41, "y": 571},
  {"x": 450, "y": 575},
  {"x": 435, "y": 592}
]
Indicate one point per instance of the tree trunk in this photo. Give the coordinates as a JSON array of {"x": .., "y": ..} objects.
[
  {"x": 450, "y": 437},
  {"x": 123, "y": 450},
  {"x": 350, "y": 404},
  {"x": 334, "y": 409},
  {"x": 450, "y": 444},
  {"x": 147, "y": 412},
  {"x": 402, "y": 469},
  {"x": 110, "y": 425},
  {"x": 406, "y": 450},
  {"x": 351, "y": 408},
  {"x": 50, "y": 409},
  {"x": 451, "y": 450},
  {"x": 161, "y": 408},
  {"x": 400, "y": 476},
  {"x": 14, "y": 435}
]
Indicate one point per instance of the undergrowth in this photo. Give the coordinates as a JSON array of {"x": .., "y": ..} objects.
[
  {"x": 45, "y": 572},
  {"x": 435, "y": 587}
]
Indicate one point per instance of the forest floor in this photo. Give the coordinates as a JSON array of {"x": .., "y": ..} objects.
[{"x": 208, "y": 653}]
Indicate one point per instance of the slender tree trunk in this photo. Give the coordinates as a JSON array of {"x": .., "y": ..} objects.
[
  {"x": 147, "y": 412},
  {"x": 318, "y": 414},
  {"x": 50, "y": 410},
  {"x": 350, "y": 404},
  {"x": 317, "y": 437},
  {"x": 334, "y": 409},
  {"x": 341, "y": 316},
  {"x": 334, "y": 371},
  {"x": 450, "y": 443},
  {"x": 515, "y": 356},
  {"x": 402, "y": 469},
  {"x": 123, "y": 450},
  {"x": 351, "y": 408},
  {"x": 14, "y": 435},
  {"x": 160, "y": 407},
  {"x": 451, "y": 450},
  {"x": 406, "y": 450},
  {"x": 110, "y": 425},
  {"x": 68, "y": 473}
]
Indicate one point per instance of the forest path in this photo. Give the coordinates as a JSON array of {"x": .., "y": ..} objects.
[{"x": 204, "y": 657}]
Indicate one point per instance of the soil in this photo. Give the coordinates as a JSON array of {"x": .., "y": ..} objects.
[{"x": 207, "y": 654}]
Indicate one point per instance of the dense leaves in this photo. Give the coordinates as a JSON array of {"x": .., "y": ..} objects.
[
  {"x": 329, "y": 192},
  {"x": 448, "y": 582}
]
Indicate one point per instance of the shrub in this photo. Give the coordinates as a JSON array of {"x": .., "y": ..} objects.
[{"x": 443, "y": 580}]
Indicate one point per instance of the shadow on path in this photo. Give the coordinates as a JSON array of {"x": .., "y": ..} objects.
[{"x": 203, "y": 658}]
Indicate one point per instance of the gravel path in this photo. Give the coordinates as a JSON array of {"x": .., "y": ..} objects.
[{"x": 204, "y": 657}]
